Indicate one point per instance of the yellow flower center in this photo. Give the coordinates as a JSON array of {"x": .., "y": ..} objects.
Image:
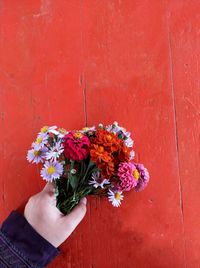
[
  {"x": 86, "y": 128},
  {"x": 37, "y": 153},
  {"x": 101, "y": 149},
  {"x": 109, "y": 137},
  {"x": 39, "y": 140},
  {"x": 51, "y": 170},
  {"x": 136, "y": 174},
  {"x": 44, "y": 129},
  {"x": 117, "y": 196},
  {"x": 78, "y": 135},
  {"x": 62, "y": 130}
]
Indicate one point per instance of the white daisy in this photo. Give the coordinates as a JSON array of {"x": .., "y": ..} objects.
[
  {"x": 115, "y": 197},
  {"x": 96, "y": 180},
  {"x": 115, "y": 128},
  {"x": 129, "y": 142},
  {"x": 88, "y": 130},
  {"x": 132, "y": 155},
  {"x": 55, "y": 151},
  {"x": 51, "y": 170},
  {"x": 121, "y": 132},
  {"x": 45, "y": 130},
  {"x": 36, "y": 155},
  {"x": 40, "y": 142},
  {"x": 61, "y": 133}
]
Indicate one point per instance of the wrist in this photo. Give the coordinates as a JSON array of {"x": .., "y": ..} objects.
[{"x": 27, "y": 240}]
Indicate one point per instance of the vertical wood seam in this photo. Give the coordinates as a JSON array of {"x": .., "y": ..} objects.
[
  {"x": 176, "y": 138},
  {"x": 83, "y": 85},
  {"x": 82, "y": 75},
  {"x": 85, "y": 102}
]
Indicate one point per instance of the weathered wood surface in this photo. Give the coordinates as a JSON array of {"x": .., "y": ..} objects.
[{"x": 73, "y": 63}]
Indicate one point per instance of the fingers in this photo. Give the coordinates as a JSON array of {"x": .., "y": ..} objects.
[
  {"x": 75, "y": 217},
  {"x": 84, "y": 200}
]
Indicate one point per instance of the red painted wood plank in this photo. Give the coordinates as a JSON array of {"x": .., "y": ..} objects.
[
  {"x": 120, "y": 54},
  {"x": 40, "y": 70},
  {"x": 128, "y": 79},
  {"x": 184, "y": 30}
]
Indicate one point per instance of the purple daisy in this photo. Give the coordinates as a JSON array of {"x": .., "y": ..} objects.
[
  {"x": 51, "y": 170},
  {"x": 36, "y": 155}
]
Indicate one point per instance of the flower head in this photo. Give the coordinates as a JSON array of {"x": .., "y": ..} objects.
[
  {"x": 143, "y": 175},
  {"x": 115, "y": 197},
  {"x": 129, "y": 142},
  {"x": 132, "y": 155},
  {"x": 98, "y": 181},
  {"x": 128, "y": 176},
  {"x": 46, "y": 129},
  {"x": 107, "y": 139},
  {"x": 114, "y": 127},
  {"x": 121, "y": 133},
  {"x": 107, "y": 151},
  {"x": 76, "y": 146},
  {"x": 103, "y": 159},
  {"x": 99, "y": 154},
  {"x": 51, "y": 170},
  {"x": 55, "y": 151},
  {"x": 36, "y": 155},
  {"x": 124, "y": 153},
  {"x": 61, "y": 133},
  {"x": 40, "y": 142},
  {"x": 89, "y": 131}
]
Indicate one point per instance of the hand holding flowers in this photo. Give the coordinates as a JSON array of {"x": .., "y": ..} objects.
[{"x": 91, "y": 161}]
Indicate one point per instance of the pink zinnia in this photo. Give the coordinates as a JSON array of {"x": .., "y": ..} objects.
[
  {"x": 128, "y": 176},
  {"x": 76, "y": 146},
  {"x": 143, "y": 177}
]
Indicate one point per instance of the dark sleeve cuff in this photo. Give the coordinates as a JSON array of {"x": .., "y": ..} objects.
[{"x": 32, "y": 245}]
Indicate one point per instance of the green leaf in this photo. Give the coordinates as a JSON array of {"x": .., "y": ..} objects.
[{"x": 73, "y": 180}]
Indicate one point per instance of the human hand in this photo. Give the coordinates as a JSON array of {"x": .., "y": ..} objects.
[{"x": 43, "y": 215}]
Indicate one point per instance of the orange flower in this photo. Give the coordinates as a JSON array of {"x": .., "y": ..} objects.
[
  {"x": 107, "y": 151},
  {"x": 107, "y": 139},
  {"x": 107, "y": 169},
  {"x": 103, "y": 160},
  {"x": 98, "y": 154},
  {"x": 124, "y": 153}
]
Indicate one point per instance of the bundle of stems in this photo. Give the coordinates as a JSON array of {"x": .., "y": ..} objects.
[{"x": 73, "y": 185}]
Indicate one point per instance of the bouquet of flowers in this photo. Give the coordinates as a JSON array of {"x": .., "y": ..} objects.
[{"x": 91, "y": 161}]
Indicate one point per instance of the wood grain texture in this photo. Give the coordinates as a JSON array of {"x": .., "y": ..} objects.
[
  {"x": 184, "y": 30},
  {"x": 40, "y": 76},
  {"x": 75, "y": 63}
]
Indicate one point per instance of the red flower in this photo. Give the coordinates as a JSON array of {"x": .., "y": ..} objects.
[{"x": 76, "y": 146}]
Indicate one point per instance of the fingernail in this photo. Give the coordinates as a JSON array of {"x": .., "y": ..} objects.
[{"x": 84, "y": 200}]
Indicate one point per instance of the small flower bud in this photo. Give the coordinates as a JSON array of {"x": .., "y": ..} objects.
[{"x": 73, "y": 171}]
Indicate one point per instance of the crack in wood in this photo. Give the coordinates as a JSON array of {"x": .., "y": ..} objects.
[{"x": 176, "y": 138}]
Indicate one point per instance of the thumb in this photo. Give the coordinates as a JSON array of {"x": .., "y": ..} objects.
[
  {"x": 49, "y": 188},
  {"x": 76, "y": 215}
]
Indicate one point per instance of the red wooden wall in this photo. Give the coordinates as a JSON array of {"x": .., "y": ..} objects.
[{"x": 75, "y": 63}]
